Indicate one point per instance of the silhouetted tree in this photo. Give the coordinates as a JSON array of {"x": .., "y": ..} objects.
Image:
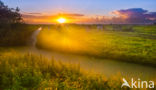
[{"x": 9, "y": 15}]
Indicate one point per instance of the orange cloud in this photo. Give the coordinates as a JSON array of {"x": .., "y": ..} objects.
[
  {"x": 39, "y": 18},
  {"x": 121, "y": 15}
]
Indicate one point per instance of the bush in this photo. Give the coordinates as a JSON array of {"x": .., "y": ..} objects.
[{"x": 16, "y": 34}]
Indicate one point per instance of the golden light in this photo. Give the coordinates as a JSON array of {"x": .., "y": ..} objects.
[{"x": 61, "y": 20}]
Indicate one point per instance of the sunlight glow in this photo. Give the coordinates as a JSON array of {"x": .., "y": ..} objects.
[{"x": 61, "y": 20}]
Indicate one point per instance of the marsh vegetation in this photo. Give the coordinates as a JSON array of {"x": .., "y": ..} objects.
[{"x": 29, "y": 71}]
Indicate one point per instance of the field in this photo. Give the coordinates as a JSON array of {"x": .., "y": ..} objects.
[
  {"x": 127, "y": 43},
  {"x": 21, "y": 69}
]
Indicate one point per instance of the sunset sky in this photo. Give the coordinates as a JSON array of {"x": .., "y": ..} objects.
[{"x": 86, "y": 11}]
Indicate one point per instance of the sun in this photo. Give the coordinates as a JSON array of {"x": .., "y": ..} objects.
[{"x": 61, "y": 20}]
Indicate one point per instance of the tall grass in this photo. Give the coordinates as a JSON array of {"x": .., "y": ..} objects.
[{"x": 31, "y": 72}]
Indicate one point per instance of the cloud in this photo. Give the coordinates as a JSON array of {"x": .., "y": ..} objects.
[
  {"x": 135, "y": 15},
  {"x": 71, "y": 14},
  {"x": 151, "y": 16},
  {"x": 37, "y": 16},
  {"x": 31, "y": 13},
  {"x": 40, "y": 15},
  {"x": 40, "y": 18}
]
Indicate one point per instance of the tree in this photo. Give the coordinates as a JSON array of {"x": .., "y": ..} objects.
[{"x": 9, "y": 15}]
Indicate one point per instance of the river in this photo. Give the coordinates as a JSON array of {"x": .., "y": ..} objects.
[{"x": 96, "y": 65}]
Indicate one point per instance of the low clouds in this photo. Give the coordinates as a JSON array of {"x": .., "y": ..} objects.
[
  {"x": 71, "y": 14},
  {"x": 31, "y": 13},
  {"x": 131, "y": 12},
  {"x": 39, "y": 18},
  {"x": 151, "y": 16},
  {"x": 124, "y": 16}
]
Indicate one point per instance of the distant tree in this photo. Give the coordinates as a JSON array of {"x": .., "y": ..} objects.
[
  {"x": 9, "y": 15},
  {"x": 154, "y": 23}
]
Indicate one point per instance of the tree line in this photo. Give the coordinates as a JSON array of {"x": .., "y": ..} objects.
[{"x": 13, "y": 30}]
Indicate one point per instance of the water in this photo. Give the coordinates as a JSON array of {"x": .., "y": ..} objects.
[
  {"x": 34, "y": 37},
  {"x": 98, "y": 66}
]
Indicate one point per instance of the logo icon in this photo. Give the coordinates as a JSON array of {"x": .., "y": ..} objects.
[{"x": 125, "y": 83}]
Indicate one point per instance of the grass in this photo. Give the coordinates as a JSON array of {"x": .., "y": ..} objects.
[
  {"x": 135, "y": 44},
  {"x": 32, "y": 72}
]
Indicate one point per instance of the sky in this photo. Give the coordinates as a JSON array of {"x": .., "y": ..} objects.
[{"x": 84, "y": 10}]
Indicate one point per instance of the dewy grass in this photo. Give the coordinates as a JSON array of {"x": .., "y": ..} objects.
[{"x": 31, "y": 72}]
